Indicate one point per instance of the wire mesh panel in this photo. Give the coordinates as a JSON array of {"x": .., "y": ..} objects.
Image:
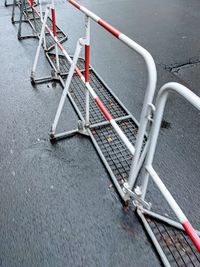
[
  {"x": 64, "y": 64},
  {"x": 114, "y": 150},
  {"x": 77, "y": 91},
  {"x": 176, "y": 245},
  {"x": 49, "y": 40}
]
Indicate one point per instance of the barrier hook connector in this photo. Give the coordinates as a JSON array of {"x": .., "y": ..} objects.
[{"x": 136, "y": 196}]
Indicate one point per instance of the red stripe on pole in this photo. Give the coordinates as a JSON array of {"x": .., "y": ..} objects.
[
  {"x": 103, "y": 109},
  {"x": 74, "y": 4},
  {"x": 30, "y": 2},
  {"x": 87, "y": 62},
  {"x": 109, "y": 28},
  {"x": 53, "y": 21},
  {"x": 192, "y": 234}
]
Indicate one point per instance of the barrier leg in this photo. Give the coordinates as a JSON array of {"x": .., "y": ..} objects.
[
  {"x": 42, "y": 19},
  {"x": 13, "y": 12},
  {"x": 34, "y": 21},
  {"x": 20, "y": 19},
  {"x": 39, "y": 45},
  {"x": 40, "y": 5},
  {"x": 65, "y": 91}
]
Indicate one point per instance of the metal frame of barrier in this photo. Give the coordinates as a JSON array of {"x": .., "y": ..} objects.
[
  {"x": 184, "y": 224},
  {"x": 85, "y": 127}
]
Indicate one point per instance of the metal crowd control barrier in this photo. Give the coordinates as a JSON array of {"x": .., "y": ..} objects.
[
  {"x": 173, "y": 242},
  {"x": 138, "y": 149},
  {"x": 168, "y": 236}
]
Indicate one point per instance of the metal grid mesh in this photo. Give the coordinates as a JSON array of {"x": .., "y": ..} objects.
[
  {"x": 176, "y": 245},
  {"x": 49, "y": 40},
  {"x": 77, "y": 91},
  {"x": 115, "y": 152},
  {"x": 64, "y": 64}
]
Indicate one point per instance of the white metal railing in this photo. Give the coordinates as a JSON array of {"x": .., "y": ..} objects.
[
  {"x": 151, "y": 85},
  {"x": 160, "y": 106}
]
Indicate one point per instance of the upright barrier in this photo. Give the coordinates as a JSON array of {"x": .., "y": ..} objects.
[
  {"x": 149, "y": 171},
  {"x": 144, "y": 146},
  {"x": 147, "y": 106}
]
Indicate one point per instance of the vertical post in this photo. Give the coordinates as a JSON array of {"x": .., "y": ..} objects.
[
  {"x": 144, "y": 117},
  {"x": 87, "y": 66},
  {"x": 53, "y": 16},
  {"x": 67, "y": 85},
  {"x": 41, "y": 14},
  {"x": 42, "y": 18},
  {"x": 13, "y": 11},
  {"x": 33, "y": 12},
  {"x": 40, "y": 43},
  {"x": 22, "y": 7}
]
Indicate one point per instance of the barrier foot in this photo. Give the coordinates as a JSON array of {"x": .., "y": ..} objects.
[
  {"x": 53, "y": 78},
  {"x": 7, "y": 5},
  {"x": 17, "y": 21},
  {"x": 26, "y": 37},
  {"x": 44, "y": 80},
  {"x": 68, "y": 134},
  {"x": 169, "y": 239}
]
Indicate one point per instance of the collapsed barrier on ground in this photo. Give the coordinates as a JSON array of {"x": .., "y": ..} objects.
[{"x": 122, "y": 143}]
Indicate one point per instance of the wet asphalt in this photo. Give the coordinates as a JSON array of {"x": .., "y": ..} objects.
[{"x": 58, "y": 207}]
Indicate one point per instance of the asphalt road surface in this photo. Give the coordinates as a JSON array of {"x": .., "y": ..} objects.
[{"x": 57, "y": 207}]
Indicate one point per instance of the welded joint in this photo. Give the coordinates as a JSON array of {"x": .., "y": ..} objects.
[
  {"x": 52, "y": 135},
  {"x": 82, "y": 128},
  {"x": 32, "y": 77},
  {"x": 83, "y": 41},
  {"x": 136, "y": 195},
  {"x": 150, "y": 111}
]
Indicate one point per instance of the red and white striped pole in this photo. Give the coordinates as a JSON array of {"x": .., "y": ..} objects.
[
  {"x": 31, "y": 3},
  {"x": 87, "y": 66},
  {"x": 100, "y": 21},
  {"x": 42, "y": 34}
]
